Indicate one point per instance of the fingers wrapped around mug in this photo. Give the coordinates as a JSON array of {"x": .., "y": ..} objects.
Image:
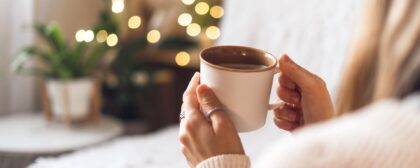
[
  {"x": 191, "y": 107},
  {"x": 287, "y": 82},
  {"x": 288, "y": 95},
  {"x": 288, "y": 118},
  {"x": 205, "y": 130},
  {"x": 193, "y": 124}
]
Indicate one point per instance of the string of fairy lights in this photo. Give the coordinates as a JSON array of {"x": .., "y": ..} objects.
[{"x": 186, "y": 19}]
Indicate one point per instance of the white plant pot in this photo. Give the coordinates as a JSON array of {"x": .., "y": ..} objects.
[{"x": 74, "y": 97}]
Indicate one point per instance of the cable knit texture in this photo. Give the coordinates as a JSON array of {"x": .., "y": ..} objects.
[
  {"x": 385, "y": 134},
  {"x": 226, "y": 161}
]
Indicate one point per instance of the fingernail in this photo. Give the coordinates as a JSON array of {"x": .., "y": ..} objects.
[
  {"x": 289, "y": 60},
  {"x": 202, "y": 89},
  {"x": 195, "y": 74},
  {"x": 285, "y": 58}
]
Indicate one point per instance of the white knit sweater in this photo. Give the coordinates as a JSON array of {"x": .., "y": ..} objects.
[{"x": 385, "y": 134}]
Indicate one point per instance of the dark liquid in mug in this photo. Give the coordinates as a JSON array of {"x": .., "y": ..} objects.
[{"x": 243, "y": 66}]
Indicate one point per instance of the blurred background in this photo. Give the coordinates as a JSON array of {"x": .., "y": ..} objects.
[
  {"x": 149, "y": 52},
  {"x": 99, "y": 83}
]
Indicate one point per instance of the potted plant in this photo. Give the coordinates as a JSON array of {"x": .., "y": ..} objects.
[{"x": 68, "y": 71}]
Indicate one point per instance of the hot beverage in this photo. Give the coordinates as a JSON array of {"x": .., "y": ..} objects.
[{"x": 243, "y": 66}]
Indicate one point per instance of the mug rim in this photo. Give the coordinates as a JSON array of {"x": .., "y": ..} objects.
[{"x": 234, "y": 69}]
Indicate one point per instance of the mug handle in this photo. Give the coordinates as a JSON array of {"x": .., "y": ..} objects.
[{"x": 277, "y": 103}]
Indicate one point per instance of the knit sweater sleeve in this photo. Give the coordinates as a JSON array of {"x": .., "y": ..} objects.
[
  {"x": 226, "y": 161},
  {"x": 384, "y": 134}
]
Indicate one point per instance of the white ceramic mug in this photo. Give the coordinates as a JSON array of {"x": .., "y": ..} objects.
[{"x": 243, "y": 90}]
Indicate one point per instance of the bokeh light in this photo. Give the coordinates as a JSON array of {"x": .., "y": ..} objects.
[
  {"x": 202, "y": 8},
  {"x": 193, "y": 29},
  {"x": 216, "y": 12},
  {"x": 80, "y": 35},
  {"x": 184, "y": 19},
  {"x": 88, "y": 36},
  {"x": 153, "y": 36},
  {"x": 117, "y": 6},
  {"x": 101, "y": 36},
  {"x": 182, "y": 58},
  {"x": 213, "y": 32},
  {"x": 134, "y": 22},
  {"x": 188, "y": 2},
  {"x": 112, "y": 40},
  {"x": 140, "y": 78}
]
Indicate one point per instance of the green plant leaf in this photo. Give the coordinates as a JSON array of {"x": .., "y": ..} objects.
[
  {"x": 64, "y": 73},
  {"x": 27, "y": 54},
  {"x": 93, "y": 57},
  {"x": 19, "y": 62},
  {"x": 75, "y": 58},
  {"x": 37, "y": 53},
  {"x": 62, "y": 61},
  {"x": 34, "y": 72},
  {"x": 52, "y": 34}
]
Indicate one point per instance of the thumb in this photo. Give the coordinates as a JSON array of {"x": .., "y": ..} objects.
[
  {"x": 209, "y": 102},
  {"x": 302, "y": 77}
]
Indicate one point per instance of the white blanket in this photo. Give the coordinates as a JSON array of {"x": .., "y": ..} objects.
[
  {"x": 316, "y": 33},
  {"x": 158, "y": 150}
]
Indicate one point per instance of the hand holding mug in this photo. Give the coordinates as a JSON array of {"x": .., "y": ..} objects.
[
  {"x": 200, "y": 138},
  {"x": 306, "y": 96},
  {"x": 241, "y": 78},
  {"x": 238, "y": 98}
]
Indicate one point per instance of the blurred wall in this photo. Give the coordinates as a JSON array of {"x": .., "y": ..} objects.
[
  {"x": 71, "y": 15},
  {"x": 16, "y": 92}
]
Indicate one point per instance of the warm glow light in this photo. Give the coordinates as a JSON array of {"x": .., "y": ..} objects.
[
  {"x": 117, "y": 6},
  {"x": 134, "y": 22},
  {"x": 101, "y": 36},
  {"x": 202, "y": 8},
  {"x": 112, "y": 40},
  {"x": 184, "y": 19},
  {"x": 212, "y": 32},
  {"x": 88, "y": 36},
  {"x": 188, "y": 2},
  {"x": 140, "y": 78},
  {"x": 216, "y": 12},
  {"x": 193, "y": 29},
  {"x": 80, "y": 35},
  {"x": 153, "y": 36},
  {"x": 182, "y": 58}
]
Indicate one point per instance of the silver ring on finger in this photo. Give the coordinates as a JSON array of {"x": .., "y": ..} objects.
[
  {"x": 181, "y": 115},
  {"x": 210, "y": 112}
]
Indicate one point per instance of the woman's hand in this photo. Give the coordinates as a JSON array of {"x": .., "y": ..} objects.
[
  {"x": 202, "y": 137},
  {"x": 306, "y": 96}
]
